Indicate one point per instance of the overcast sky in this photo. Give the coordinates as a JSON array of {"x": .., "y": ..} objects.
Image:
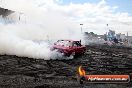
[
  {"x": 123, "y": 5},
  {"x": 93, "y": 14}
]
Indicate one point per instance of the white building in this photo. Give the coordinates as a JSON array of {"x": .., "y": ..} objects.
[
  {"x": 130, "y": 39},
  {"x": 121, "y": 37}
]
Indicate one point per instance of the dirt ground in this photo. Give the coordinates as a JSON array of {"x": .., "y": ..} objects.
[{"x": 22, "y": 72}]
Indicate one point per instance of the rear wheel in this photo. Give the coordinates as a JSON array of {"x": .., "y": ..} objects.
[
  {"x": 84, "y": 53},
  {"x": 72, "y": 55}
]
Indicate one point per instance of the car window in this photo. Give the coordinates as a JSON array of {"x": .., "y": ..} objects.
[
  {"x": 77, "y": 43},
  {"x": 74, "y": 44},
  {"x": 64, "y": 43},
  {"x": 67, "y": 43}
]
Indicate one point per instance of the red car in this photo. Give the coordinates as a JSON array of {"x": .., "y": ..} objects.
[{"x": 69, "y": 47}]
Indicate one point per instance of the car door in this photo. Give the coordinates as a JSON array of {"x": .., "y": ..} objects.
[{"x": 76, "y": 48}]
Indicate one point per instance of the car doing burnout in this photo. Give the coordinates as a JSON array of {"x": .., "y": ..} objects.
[{"x": 69, "y": 47}]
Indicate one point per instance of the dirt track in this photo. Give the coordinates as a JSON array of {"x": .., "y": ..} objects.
[{"x": 21, "y": 72}]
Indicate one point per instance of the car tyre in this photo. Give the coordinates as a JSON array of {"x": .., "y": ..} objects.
[{"x": 72, "y": 56}]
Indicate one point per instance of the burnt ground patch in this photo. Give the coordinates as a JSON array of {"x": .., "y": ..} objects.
[{"x": 22, "y": 72}]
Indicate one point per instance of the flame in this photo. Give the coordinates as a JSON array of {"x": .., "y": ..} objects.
[{"x": 81, "y": 71}]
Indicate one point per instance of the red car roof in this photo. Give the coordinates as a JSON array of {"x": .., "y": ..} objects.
[{"x": 68, "y": 40}]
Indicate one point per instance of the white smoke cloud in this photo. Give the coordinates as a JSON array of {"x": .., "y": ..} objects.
[
  {"x": 21, "y": 40},
  {"x": 28, "y": 39},
  {"x": 93, "y": 16}
]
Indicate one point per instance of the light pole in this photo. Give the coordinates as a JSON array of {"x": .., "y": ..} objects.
[
  {"x": 81, "y": 31},
  {"x": 127, "y": 38},
  {"x": 81, "y": 28}
]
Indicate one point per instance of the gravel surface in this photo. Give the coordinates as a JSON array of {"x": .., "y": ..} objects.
[{"x": 22, "y": 72}]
